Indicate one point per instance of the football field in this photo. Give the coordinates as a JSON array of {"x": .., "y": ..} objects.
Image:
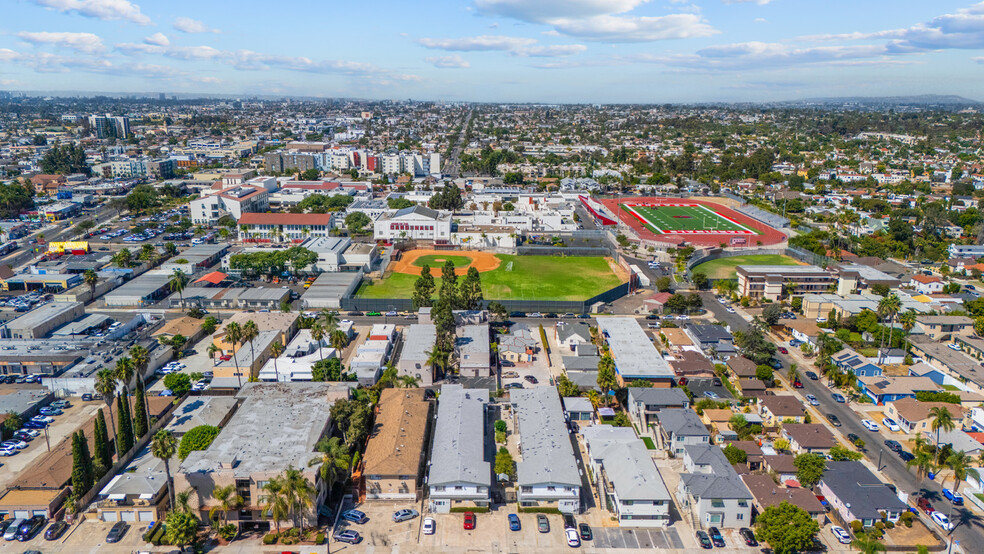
[{"x": 685, "y": 218}]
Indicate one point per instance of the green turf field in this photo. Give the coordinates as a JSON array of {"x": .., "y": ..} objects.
[
  {"x": 670, "y": 219},
  {"x": 519, "y": 278},
  {"x": 724, "y": 268},
  {"x": 458, "y": 261}
]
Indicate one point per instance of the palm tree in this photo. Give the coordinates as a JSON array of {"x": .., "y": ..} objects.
[
  {"x": 163, "y": 446},
  {"x": 922, "y": 461},
  {"x": 234, "y": 335},
  {"x": 407, "y": 382},
  {"x": 276, "y": 349},
  {"x": 437, "y": 358},
  {"x": 91, "y": 279},
  {"x": 250, "y": 332},
  {"x": 212, "y": 350},
  {"x": 334, "y": 460},
  {"x": 318, "y": 333},
  {"x": 942, "y": 420},
  {"x": 888, "y": 307},
  {"x": 960, "y": 463},
  {"x": 183, "y": 501},
  {"x": 388, "y": 378},
  {"x": 331, "y": 320},
  {"x": 299, "y": 493},
  {"x": 125, "y": 369},
  {"x": 228, "y": 499},
  {"x": 908, "y": 321},
  {"x": 276, "y": 503},
  {"x": 177, "y": 283},
  {"x": 338, "y": 339},
  {"x": 106, "y": 387}
]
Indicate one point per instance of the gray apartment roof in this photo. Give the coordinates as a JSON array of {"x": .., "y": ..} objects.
[
  {"x": 132, "y": 292},
  {"x": 328, "y": 289},
  {"x": 581, "y": 363},
  {"x": 867, "y": 273},
  {"x": 721, "y": 481},
  {"x": 38, "y": 316},
  {"x": 709, "y": 333},
  {"x": 635, "y": 356},
  {"x": 578, "y": 404},
  {"x": 21, "y": 399},
  {"x": 682, "y": 422},
  {"x": 473, "y": 345},
  {"x": 627, "y": 462},
  {"x": 244, "y": 355},
  {"x": 458, "y": 455},
  {"x": 417, "y": 341},
  {"x": 664, "y": 398},
  {"x": 960, "y": 363},
  {"x": 547, "y": 454},
  {"x": 143, "y": 477},
  {"x": 200, "y": 410},
  {"x": 577, "y": 328},
  {"x": 779, "y": 269},
  {"x": 276, "y": 426},
  {"x": 81, "y": 326},
  {"x": 855, "y": 485}
]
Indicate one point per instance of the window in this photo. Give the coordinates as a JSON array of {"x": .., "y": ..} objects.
[
  {"x": 459, "y": 488},
  {"x": 439, "y": 488},
  {"x": 739, "y": 516},
  {"x": 551, "y": 489},
  {"x": 717, "y": 503},
  {"x": 742, "y": 503},
  {"x": 714, "y": 518}
]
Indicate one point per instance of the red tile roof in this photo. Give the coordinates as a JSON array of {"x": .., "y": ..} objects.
[
  {"x": 214, "y": 277},
  {"x": 284, "y": 219}
]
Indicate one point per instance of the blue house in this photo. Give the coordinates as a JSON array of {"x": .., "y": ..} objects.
[
  {"x": 849, "y": 360},
  {"x": 887, "y": 388}
]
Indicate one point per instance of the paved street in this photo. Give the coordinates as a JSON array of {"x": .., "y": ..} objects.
[{"x": 969, "y": 529}]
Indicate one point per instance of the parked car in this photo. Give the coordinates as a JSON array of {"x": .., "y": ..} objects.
[
  {"x": 350, "y": 536},
  {"x": 55, "y": 530},
  {"x": 834, "y": 420},
  {"x": 811, "y": 399},
  {"x": 894, "y": 446},
  {"x": 531, "y": 380},
  {"x": 797, "y": 384},
  {"x": 953, "y": 497},
  {"x": 18, "y": 444},
  {"x": 841, "y": 535},
  {"x": 925, "y": 505},
  {"x": 43, "y": 419},
  {"x": 891, "y": 425},
  {"x": 86, "y": 397},
  {"x": 542, "y": 523},
  {"x": 573, "y": 540},
  {"x": 711, "y": 394},
  {"x": 429, "y": 526},
  {"x": 404, "y": 515},
  {"x": 839, "y": 398},
  {"x": 704, "y": 541},
  {"x": 782, "y": 350},
  {"x": 514, "y": 524},
  {"x": 775, "y": 364},
  {"x": 748, "y": 536},
  {"x": 61, "y": 404},
  {"x": 30, "y": 527},
  {"x": 11, "y": 532},
  {"x": 585, "y": 531},
  {"x": 355, "y": 516},
  {"x": 469, "y": 523},
  {"x": 812, "y": 376},
  {"x": 906, "y": 456},
  {"x": 940, "y": 519},
  {"x": 716, "y": 537},
  {"x": 870, "y": 425},
  {"x": 117, "y": 531}
]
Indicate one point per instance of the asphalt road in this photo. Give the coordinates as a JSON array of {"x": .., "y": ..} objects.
[
  {"x": 969, "y": 529},
  {"x": 452, "y": 165}
]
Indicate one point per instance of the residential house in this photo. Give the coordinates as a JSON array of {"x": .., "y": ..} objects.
[
  {"x": 396, "y": 451},
  {"x": 518, "y": 346},
  {"x": 460, "y": 473},
  {"x": 691, "y": 364},
  {"x": 780, "y": 408},
  {"x": 848, "y": 360},
  {"x": 679, "y": 428},
  {"x": 767, "y": 493},
  {"x": 753, "y": 451},
  {"x": 913, "y": 415},
  {"x": 712, "y": 338},
  {"x": 569, "y": 335},
  {"x": 805, "y": 330},
  {"x": 418, "y": 341},
  {"x": 888, "y": 388},
  {"x": 808, "y": 438},
  {"x": 926, "y": 284},
  {"x": 626, "y": 477},
  {"x": 473, "y": 352},
  {"x": 579, "y": 410},
  {"x": 944, "y": 327},
  {"x": 711, "y": 491},
  {"x": 644, "y": 404},
  {"x": 742, "y": 367},
  {"x": 856, "y": 493},
  {"x": 138, "y": 493},
  {"x": 958, "y": 440},
  {"x": 751, "y": 387},
  {"x": 782, "y": 465}
]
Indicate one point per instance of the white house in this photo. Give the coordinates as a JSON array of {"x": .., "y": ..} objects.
[
  {"x": 926, "y": 284},
  {"x": 459, "y": 473},
  {"x": 415, "y": 222},
  {"x": 232, "y": 201}
]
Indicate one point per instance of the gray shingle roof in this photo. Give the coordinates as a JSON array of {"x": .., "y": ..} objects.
[
  {"x": 722, "y": 481},
  {"x": 855, "y": 485},
  {"x": 627, "y": 463},
  {"x": 547, "y": 454},
  {"x": 682, "y": 422},
  {"x": 673, "y": 397},
  {"x": 458, "y": 455}
]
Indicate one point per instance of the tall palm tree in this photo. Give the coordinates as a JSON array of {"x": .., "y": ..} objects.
[
  {"x": 299, "y": 493},
  {"x": 91, "y": 279},
  {"x": 106, "y": 387},
  {"x": 212, "y": 350},
  {"x": 334, "y": 460},
  {"x": 407, "y": 382},
  {"x": 177, "y": 283},
  {"x": 338, "y": 339},
  {"x": 234, "y": 335},
  {"x": 888, "y": 307},
  {"x": 163, "y": 446},
  {"x": 141, "y": 357},
  {"x": 250, "y": 332},
  {"x": 125, "y": 368},
  {"x": 923, "y": 462},
  {"x": 942, "y": 420},
  {"x": 228, "y": 499},
  {"x": 908, "y": 321},
  {"x": 331, "y": 320},
  {"x": 276, "y": 503},
  {"x": 437, "y": 358},
  {"x": 318, "y": 333},
  {"x": 961, "y": 465},
  {"x": 183, "y": 501},
  {"x": 276, "y": 349}
]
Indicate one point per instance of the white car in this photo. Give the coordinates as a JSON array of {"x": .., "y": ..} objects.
[
  {"x": 812, "y": 400},
  {"x": 890, "y": 424},
  {"x": 14, "y": 443},
  {"x": 941, "y": 520},
  {"x": 43, "y": 419},
  {"x": 730, "y": 310},
  {"x": 429, "y": 526},
  {"x": 869, "y": 425},
  {"x": 573, "y": 540},
  {"x": 952, "y": 346},
  {"x": 8, "y": 451},
  {"x": 841, "y": 535}
]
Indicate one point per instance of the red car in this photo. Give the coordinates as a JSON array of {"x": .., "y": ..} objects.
[
  {"x": 782, "y": 350},
  {"x": 226, "y": 357},
  {"x": 798, "y": 384},
  {"x": 924, "y": 505},
  {"x": 469, "y": 521}
]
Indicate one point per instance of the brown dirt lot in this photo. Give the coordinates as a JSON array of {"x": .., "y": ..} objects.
[{"x": 482, "y": 261}]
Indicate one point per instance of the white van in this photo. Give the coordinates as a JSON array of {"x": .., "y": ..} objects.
[{"x": 12, "y": 529}]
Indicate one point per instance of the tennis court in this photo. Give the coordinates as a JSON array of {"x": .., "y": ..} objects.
[{"x": 685, "y": 218}]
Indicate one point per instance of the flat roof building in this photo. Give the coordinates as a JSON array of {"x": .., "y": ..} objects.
[
  {"x": 417, "y": 342},
  {"x": 770, "y": 281},
  {"x": 634, "y": 354},
  {"x": 546, "y": 470},
  {"x": 41, "y": 321},
  {"x": 397, "y": 448},
  {"x": 461, "y": 466}
]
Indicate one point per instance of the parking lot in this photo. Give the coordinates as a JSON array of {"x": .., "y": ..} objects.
[
  {"x": 700, "y": 386},
  {"x": 619, "y": 537},
  {"x": 87, "y": 536}
]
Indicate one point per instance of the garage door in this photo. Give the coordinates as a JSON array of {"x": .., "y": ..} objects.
[
  {"x": 109, "y": 516},
  {"x": 41, "y": 513},
  {"x": 146, "y": 516},
  {"x": 129, "y": 516},
  {"x": 21, "y": 514}
]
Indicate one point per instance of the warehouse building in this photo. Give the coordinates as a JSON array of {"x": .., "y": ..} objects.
[{"x": 41, "y": 321}]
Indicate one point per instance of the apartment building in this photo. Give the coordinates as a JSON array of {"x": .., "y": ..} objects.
[
  {"x": 460, "y": 470},
  {"x": 711, "y": 490},
  {"x": 233, "y": 201},
  {"x": 774, "y": 282},
  {"x": 547, "y": 474},
  {"x": 284, "y": 227},
  {"x": 395, "y": 454}
]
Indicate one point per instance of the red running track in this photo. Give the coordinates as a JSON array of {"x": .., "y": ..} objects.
[{"x": 769, "y": 235}]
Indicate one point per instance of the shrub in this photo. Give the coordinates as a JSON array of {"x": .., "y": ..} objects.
[
  {"x": 270, "y": 538},
  {"x": 289, "y": 540},
  {"x": 476, "y": 509},
  {"x": 890, "y": 525},
  {"x": 319, "y": 538},
  {"x": 157, "y": 537},
  {"x": 856, "y": 526},
  {"x": 500, "y": 436},
  {"x": 906, "y": 519},
  {"x": 228, "y": 532},
  {"x": 880, "y": 525},
  {"x": 538, "y": 510},
  {"x": 197, "y": 438},
  {"x": 500, "y": 426}
]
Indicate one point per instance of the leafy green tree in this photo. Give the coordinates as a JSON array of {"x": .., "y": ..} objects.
[
  {"x": 764, "y": 373},
  {"x": 700, "y": 280},
  {"x": 567, "y": 387},
  {"x": 449, "y": 286},
  {"x": 504, "y": 463},
  {"x": 607, "y": 379},
  {"x": 771, "y": 313},
  {"x": 754, "y": 345},
  {"x": 334, "y": 461},
  {"x": 356, "y": 222},
  {"x": 197, "y": 438},
  {"x": 13, "y": 422},
  {"x": 787, "y": 528},
  {"x": 663, "y": 284},
  {"x": 329, "y": 370},
  {"x": 839, "y": 453},
  {"x": 178, "y": 383},
  {"x": 64, "y": 159},
  {"x": 180, "y": 528},
  {"x": 809, "y": 469},
  {"x": 735, "y": 455},
  {"x": 310, "y": 175}
]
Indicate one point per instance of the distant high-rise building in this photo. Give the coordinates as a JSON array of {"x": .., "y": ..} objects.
[
  {"x": 110, "y": 126},
  {"x": 163, "y": 97}
]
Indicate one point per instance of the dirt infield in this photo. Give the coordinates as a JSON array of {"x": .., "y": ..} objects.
[
  {"x": 769, "y": 235},
  {"x": 482, "y": 261}
]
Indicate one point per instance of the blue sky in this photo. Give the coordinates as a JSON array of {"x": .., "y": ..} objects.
[{"x": 498, "y": 50}]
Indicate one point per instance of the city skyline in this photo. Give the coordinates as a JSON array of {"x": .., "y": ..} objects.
[{"x": 570, "y": 51}]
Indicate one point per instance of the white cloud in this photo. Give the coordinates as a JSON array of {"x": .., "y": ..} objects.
[
  {"x": 189, "y": 25},
  {"x": 81, "y": 42},
  {"x": 194, "y": 52},
  {"x": 759, "y": 2},
  {"x": 8, "y": 55},
  {"x": 453, "y": 61},
  {"x": 157, "y": 39},
  {"x": 475, "y": 44},
  {"x": 601, "y": 20},
  {"x": 107, "y": 10},
  {"x": 551, "y": 51}
]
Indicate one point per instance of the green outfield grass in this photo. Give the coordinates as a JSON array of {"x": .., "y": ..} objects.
[
  {"x": 458, "y": 261},
  {"x": 519, "y": 278},
  {"x": 664, "y": 219},
  {"x": 724, "y": 268}
]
